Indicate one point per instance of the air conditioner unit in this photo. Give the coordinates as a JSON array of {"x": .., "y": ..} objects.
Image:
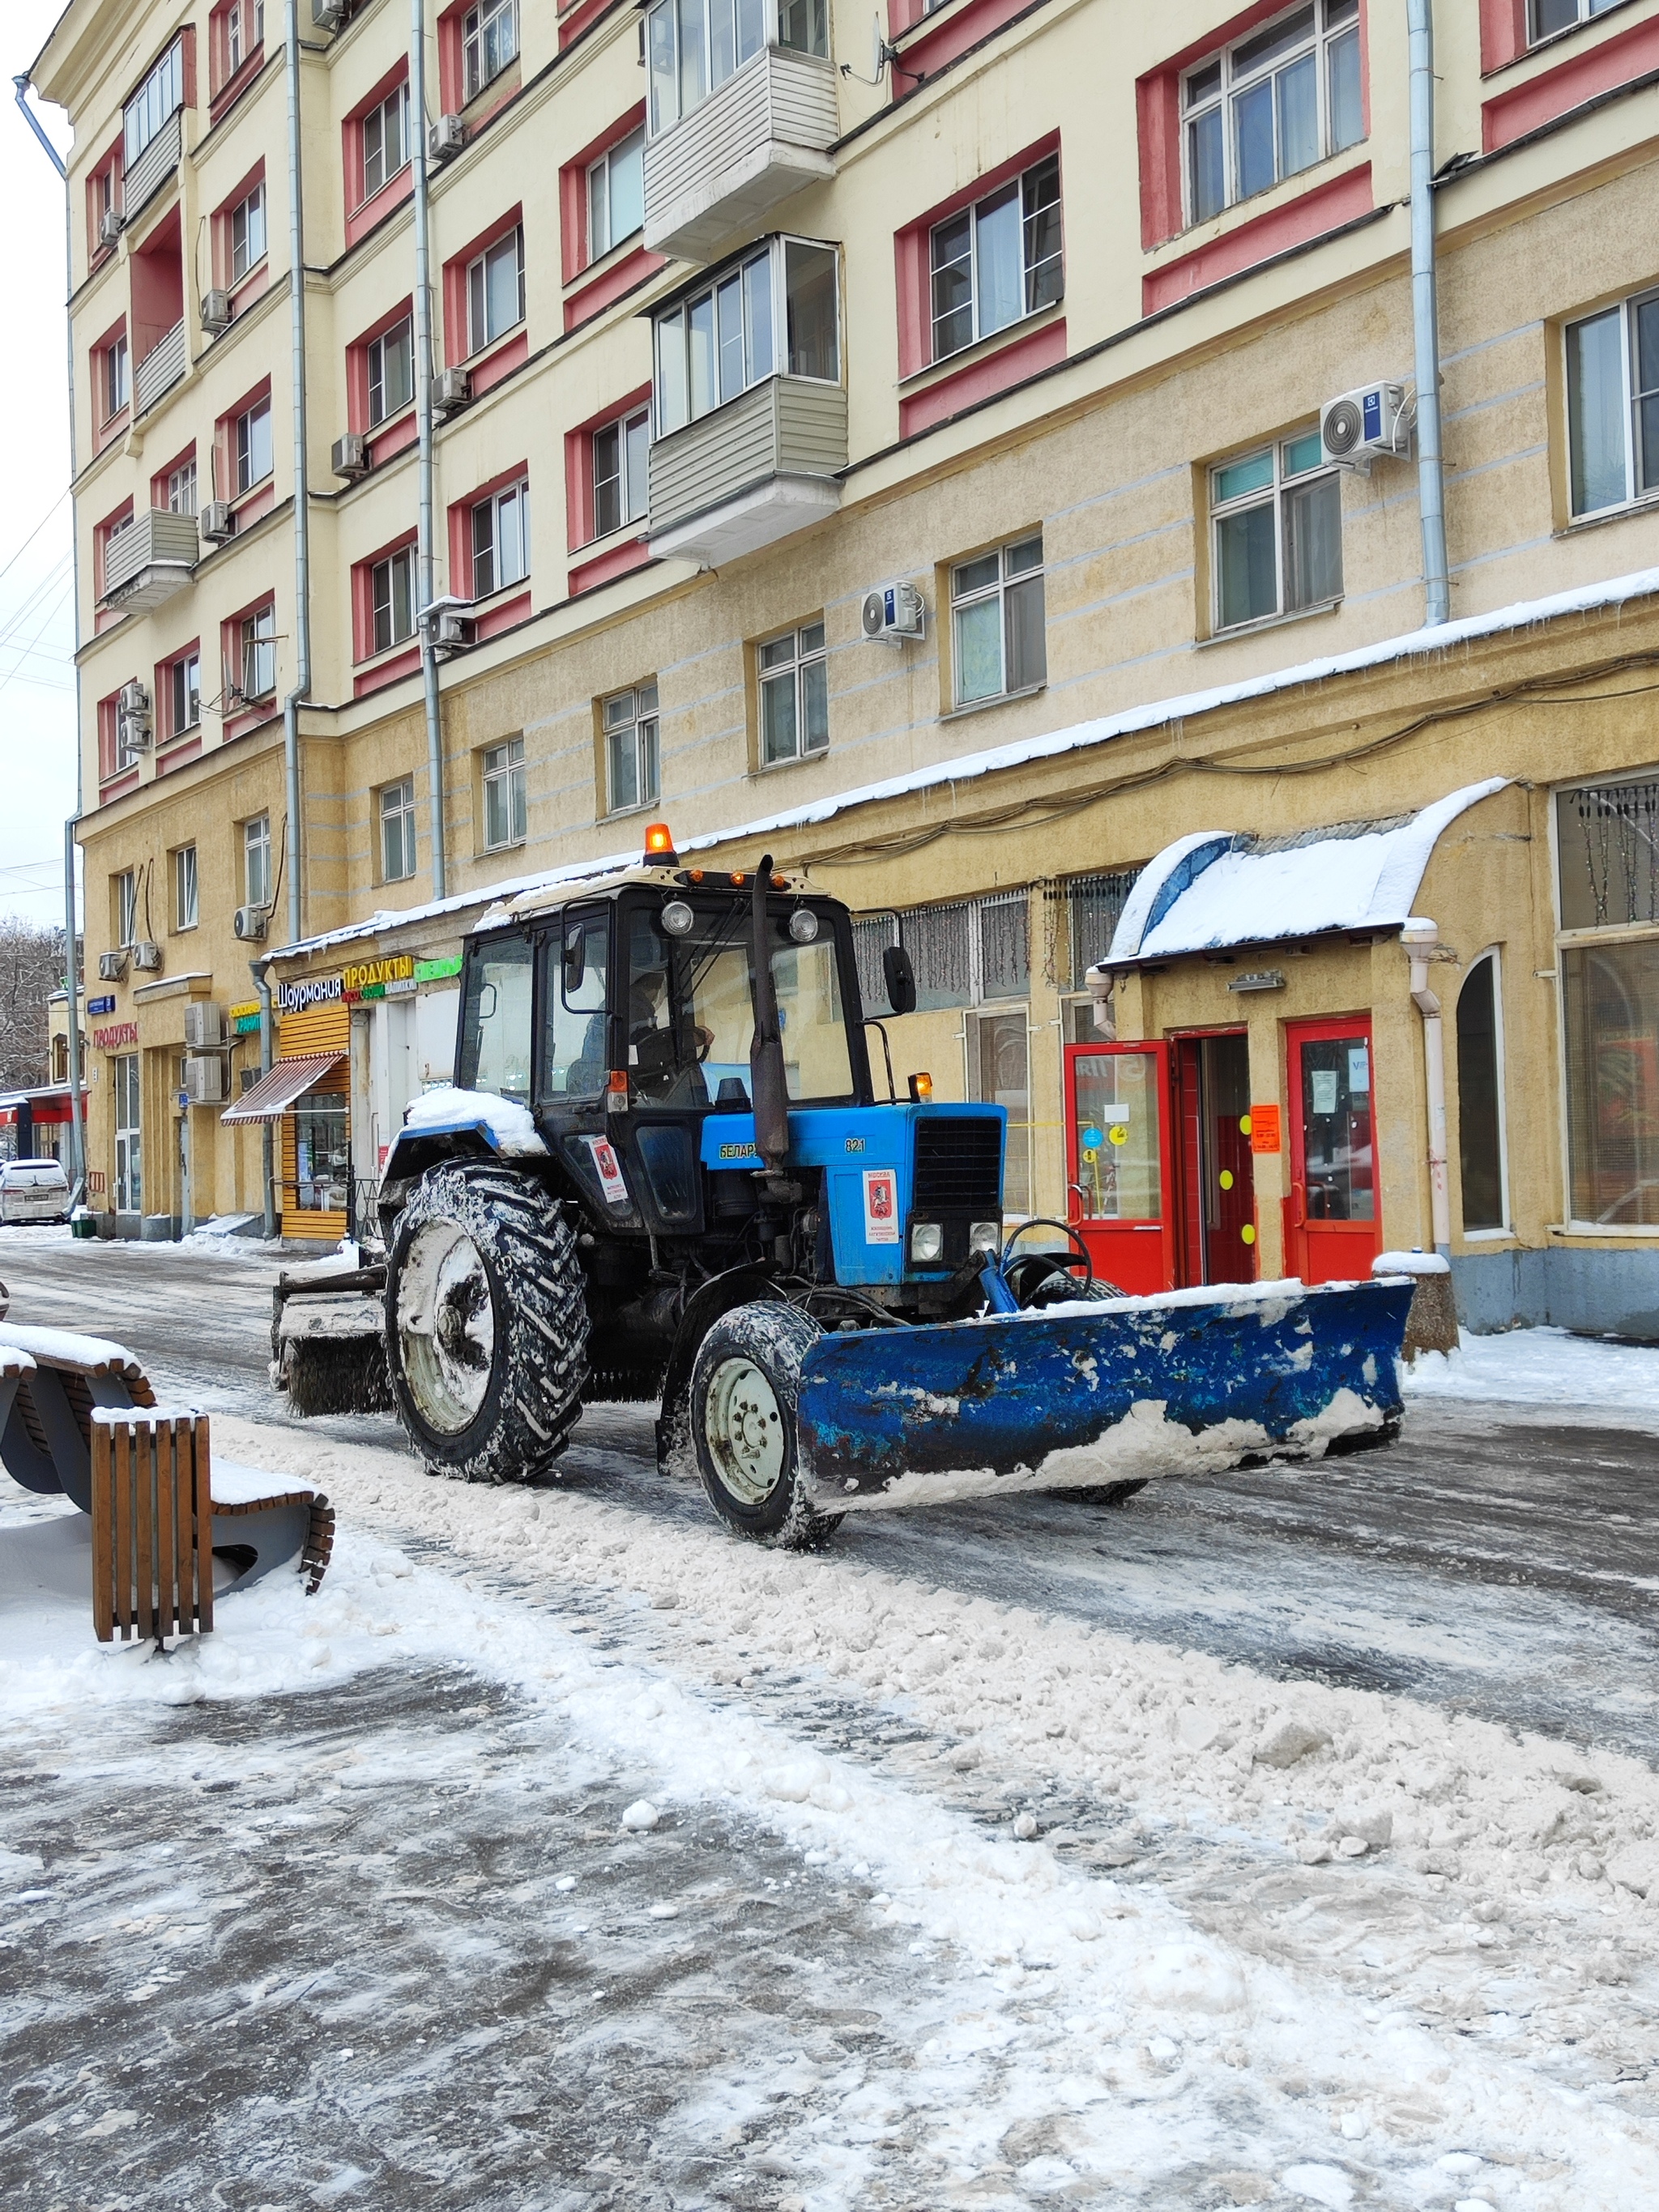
[
  {"x": 205, "y": 1081},
  {"x": 893, "y": 612},
  {"x": 445, "y": 138},
  {"x": 249, "y": 921},
  {"x": 452, "y": 389},
  {"x": 1355, "y": 428},
  {"x": 331, "y": 15},
  {"x": 133, "y": 700},
  {"x": 215, "y": 312},
  {"x": 216, "y": 523},
  {"x": 147, "y": 956},
  {"x": 351, "y": 456},
  {"x": 451, "y": 632},
  {"x": 132, "y": 718},
  {"x": 204, "y": 1026},
  {"x": 110, "y": 226},
  {"x": 112, "y": 966}
]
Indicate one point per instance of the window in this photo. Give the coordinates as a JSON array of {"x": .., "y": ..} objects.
[
  {"x": 182, "y": 488},
  {"x": 1549, "y": 16},
  {"x": 694, "y": 45},
  {"x": 996, "y": 617},
  {"x": 490, "y": 40},
  {"x": 1277, "y": 519},
  {"x": 495, "y": 1022},
  {"x": 184, "y": 888},
  {"x": 1275, "y": 103},
  {"x": 129, "y": 1176},
  {"x": 257, "y": 637},
  {"x": 495, "y": 290},
  {"x": 322, "y": 1154},
  {"x": 631, "y": 757},
  {"x": 1480, "y": 1098},
  {"x": 184, "y": 678},
  {"x": 964, "y": 954},
  {"x": 126, "y": 907},
  {"x": 775, "y": 313},
  {"x": 386, "y": 141},
  {"x": 254, "y": 445},
  {"x": 504, "y": 794},
  {"x": 245, "y": 32},
  {"x": 1613, "y": 404},
  {"x": 116, "y": 382},
  {"x": 392, "y": 598},
  {"x": 615, "y": 195},
  {"x": 500, "y": 539},
  {"x": 154, "y": 104},
  {"x": 575, "y": 1033},
  {"x": 397, "y": 831},
  {"x": 390, "y": 360},
  {"x": 621, "y": 486},
  {"x": 1000, "y": 1074},
  {"x": 247, "y": 234},
  {"x": 997, "y": 260},
  {"x": 256, "y": 860},
  {"x": 794, "y": 695}
]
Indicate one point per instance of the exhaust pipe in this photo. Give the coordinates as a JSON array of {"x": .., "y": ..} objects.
[{"x": 766, "y": 1086}]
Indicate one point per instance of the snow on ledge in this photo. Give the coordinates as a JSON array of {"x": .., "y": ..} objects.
[
  {"x": 1437, "y": 638},
  {"x": 1411, "y": 1263}
]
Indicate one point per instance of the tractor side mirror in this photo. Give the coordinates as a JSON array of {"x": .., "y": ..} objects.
[
  {"x": 900, "y": 978},
  {"x": 575, "y": 958}
]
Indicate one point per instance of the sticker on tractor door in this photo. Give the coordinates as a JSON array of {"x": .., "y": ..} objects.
[
  {"x": 880, "y": 1206},
  {"x": 608, "y": 1168}
]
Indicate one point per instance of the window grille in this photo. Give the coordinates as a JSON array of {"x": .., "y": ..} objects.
[
  {"x": 963, "y": 953},
  {"x": 1607, "y": 838},
  {"x": 1082, "y": 914}
]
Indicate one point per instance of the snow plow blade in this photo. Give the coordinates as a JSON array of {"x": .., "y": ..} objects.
[{"x": 1085, "y": 1395}]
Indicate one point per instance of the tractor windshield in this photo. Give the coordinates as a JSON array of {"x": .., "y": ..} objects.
[
  {"x": 691, "y": 1010},
  {"x": 495, "y": 1052}
]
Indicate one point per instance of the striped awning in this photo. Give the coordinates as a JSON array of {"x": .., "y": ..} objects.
[{"x": 269, "y": 1098}]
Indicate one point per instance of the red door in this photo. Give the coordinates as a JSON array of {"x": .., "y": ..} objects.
[
  {"x": 1118, "y": 1162},
  {"x": 1332, "y": 1223}
]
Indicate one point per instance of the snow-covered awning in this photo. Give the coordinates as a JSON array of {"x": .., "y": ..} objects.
[
  {"x": 269, "y": 1098},
  {"x": 1220, "y": 887}
]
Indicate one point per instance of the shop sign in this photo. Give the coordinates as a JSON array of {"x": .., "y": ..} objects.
[
  {"x": 118, "y": 1037},
  {"x": 437, "y": 971},
  {"x": 310, "y": 991},
  {"x": 396, "y": 967},
  {"x": 244, "y": 1017},
  {"x": 104, "y": 1005},
  {"x": 1260, "y": 1125},
  {"x": 368, "y": 979}
]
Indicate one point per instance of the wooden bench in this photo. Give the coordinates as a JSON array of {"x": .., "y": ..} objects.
[{"x": 78, "y": 1417}]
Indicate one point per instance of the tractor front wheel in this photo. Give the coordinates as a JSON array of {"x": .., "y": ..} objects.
[
  {"x": 486, "y": 1324},
  {"x": 745, "y": 1386}
]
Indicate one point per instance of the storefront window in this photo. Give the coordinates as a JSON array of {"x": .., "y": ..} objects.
[
  {"x": 322, "y": 1156},
  {"x": 129, "y": 1176},
  {"x": 1610, "y": 1000}
]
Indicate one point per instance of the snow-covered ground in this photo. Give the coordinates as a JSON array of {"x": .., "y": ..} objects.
[{"x": 949, "y": 1900}]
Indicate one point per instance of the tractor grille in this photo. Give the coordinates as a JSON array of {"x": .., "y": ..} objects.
[{"x": 959, "y": 1165}]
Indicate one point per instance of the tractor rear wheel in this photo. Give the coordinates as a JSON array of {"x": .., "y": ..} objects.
[
  {"x": 486, "y": 1324},
  {"x": 745, "y": 1389}
]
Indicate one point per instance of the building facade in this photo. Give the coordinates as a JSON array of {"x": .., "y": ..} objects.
[{"x": 1027, "y": 322}]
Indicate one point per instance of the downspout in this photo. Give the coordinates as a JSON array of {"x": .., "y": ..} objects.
[
  {"x": 1426, "y": 316},
  {"x": 1421, "y": 939},
  {"x": 71, "y": 973},
  {"x": 268, "y": 1162},
  {"x": 434, "y": 732},
  {"x": 302, "y": 483}
]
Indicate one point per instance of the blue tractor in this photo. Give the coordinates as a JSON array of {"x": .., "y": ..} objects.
[{"x": 665, "y": 1172}]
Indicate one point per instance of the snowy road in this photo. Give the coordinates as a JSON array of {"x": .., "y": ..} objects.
[{"x": 980, "y": 1878}]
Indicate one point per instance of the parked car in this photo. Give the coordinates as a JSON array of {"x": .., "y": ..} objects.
[{"x": 34, "y": 1190}]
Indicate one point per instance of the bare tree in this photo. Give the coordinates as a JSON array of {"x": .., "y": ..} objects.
[{"x": 31, "y": 970}]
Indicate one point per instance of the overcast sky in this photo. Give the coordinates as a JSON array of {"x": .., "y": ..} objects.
[{"x": 37, "y": 612}]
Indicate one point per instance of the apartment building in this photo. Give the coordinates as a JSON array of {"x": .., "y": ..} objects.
[{"x": 912, "y": 454}]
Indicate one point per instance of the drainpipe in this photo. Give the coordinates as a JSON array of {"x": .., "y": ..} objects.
[
  {"x": 434, "y": 732},
  {"x": 1421, "y": 939},
  {"x": 1425, "y": 316},
  {"x": 71, "y": 978},
  {"x": 301, "y": 480},
  {"x": 267, "y": 1155}
]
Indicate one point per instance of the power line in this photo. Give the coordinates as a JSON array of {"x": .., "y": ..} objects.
[{"x": 33, "y": 534}]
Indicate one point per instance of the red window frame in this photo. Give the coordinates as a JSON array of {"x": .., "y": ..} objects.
[
  {"x": 224, "y": 82},
  {"x": 457, "y": 322},
  {"x": 489, "y": 99},
  {"x": 105, "y": 426},
  {"x": 357, "y": 375},
  {"x": 108, "y": 766},
  {"x": 255, "y": 280},
  {"x": 224, "y": 447},
  {"x": 461, "y": 530},
  {"x": 363, "y": 647},
  {"x": 363, "y": 213},
  {"x": 578, "y": 466},
  {"x": 235, "y": 721},
  {"x": 162, "y": 694},
  {"x": 108, "y": 166},
  {"x": 912, "y": 249},
  {"x": 158, "y": 482},
  {"x": 572, "y": 191}
]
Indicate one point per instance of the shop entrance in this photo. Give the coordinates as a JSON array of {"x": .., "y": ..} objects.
[
  {"x": 1332, "y": 1223},
  {"x": 1118, "y": 1164},
  {"x": 1210, "y": 1100}
]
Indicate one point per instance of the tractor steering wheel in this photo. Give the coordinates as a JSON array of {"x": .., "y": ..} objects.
[{"x": 1045, "y": 1279}]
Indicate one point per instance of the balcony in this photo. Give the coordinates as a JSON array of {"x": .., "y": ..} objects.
[
  {"x": 161, "y": 368},
  {"x": 759, "y": 138},
  {"x": 761, "y": 467},
  {"x": 149, "y": 562},
  {"x": 154, "y": 166}
]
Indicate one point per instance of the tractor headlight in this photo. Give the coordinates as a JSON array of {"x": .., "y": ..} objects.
[
  {"x": 927, "y": 1243},
  {"x": 677, "y": 917},
  {"x": 985, "y": 1236},
  {"x": 803, "y": 925}
]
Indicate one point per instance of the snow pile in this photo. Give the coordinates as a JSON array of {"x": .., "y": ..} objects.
[
  {"x": 1541, "y": 1367},
  {"x": 511, "y": 1127},
  {"x": 1409, "y": 1263}
]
